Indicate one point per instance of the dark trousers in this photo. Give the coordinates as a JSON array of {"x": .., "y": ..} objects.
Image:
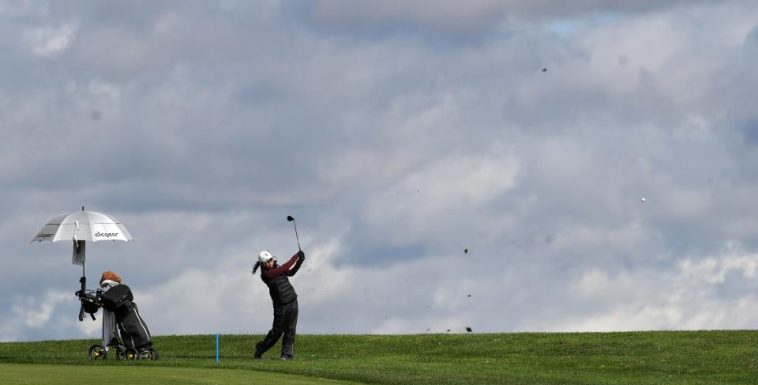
[{"x": 285, "y": 323}]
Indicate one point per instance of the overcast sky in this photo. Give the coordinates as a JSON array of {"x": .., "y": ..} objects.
[{"x": 399, "y": 134}]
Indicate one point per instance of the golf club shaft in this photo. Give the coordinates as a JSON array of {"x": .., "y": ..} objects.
[{"x": 296, "y": 236}]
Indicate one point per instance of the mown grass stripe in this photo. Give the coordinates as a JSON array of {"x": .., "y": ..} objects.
[{"x": 35, "y": 374}]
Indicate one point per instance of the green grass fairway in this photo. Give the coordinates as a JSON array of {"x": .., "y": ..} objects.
[
  {"x": 22, "y": 374},
  {"x": 632, "y": 358}
]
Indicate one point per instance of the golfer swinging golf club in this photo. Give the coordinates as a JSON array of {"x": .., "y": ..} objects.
[{"x": 284, "y": 299}]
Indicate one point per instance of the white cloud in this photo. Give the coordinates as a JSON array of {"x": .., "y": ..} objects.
[
  {"x": 47, "y": 41},
  {"x": 689, "y": 297},
  {"x": 713, "y": 270},
  {"x": 33, "y": 313}
]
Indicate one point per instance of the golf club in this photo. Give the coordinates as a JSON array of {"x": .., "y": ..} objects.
[{"x": 291, "y": 219}]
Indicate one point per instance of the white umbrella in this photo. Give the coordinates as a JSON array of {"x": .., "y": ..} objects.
[
  {"x": 83, "y": 225},
  {"x": 79, "y": 227}
]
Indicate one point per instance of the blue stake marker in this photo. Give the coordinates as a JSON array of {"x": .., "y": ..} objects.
[{"x": 216, "y": 349}]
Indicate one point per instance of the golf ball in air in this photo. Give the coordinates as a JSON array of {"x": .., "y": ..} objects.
[{"x": 643, "y": 200}]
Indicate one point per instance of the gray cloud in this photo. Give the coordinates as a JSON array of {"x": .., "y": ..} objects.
[
  {"x": 453, "y": 19},
  {"x": 202, "y": 126}
]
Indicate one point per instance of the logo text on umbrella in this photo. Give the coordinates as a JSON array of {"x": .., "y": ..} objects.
[{"x": 105, "y": 235}]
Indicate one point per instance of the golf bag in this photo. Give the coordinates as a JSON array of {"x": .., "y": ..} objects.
[{"x": 134, "y": 331}]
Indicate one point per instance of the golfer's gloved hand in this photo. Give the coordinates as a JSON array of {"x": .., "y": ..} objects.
[{"x": 301, "y": 255}]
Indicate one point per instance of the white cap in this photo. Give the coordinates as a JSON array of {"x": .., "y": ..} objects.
[{"x": 265, "y": 256}]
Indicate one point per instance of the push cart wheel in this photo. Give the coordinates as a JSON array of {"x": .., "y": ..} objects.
[
  {"x": 131, "y": 354},
  {"x": 121, "y": 353},
  {"x": 97, "y": 352},
  {"x": 148, "y": 354}
]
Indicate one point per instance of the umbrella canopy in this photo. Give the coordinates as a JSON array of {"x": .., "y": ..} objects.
[{"x": 83, "y": 225}]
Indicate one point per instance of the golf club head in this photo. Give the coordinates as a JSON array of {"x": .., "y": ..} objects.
[{"x": 290, "y": 218}]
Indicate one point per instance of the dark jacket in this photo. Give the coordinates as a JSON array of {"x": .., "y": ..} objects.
[{"x": 279, "y": 286}]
